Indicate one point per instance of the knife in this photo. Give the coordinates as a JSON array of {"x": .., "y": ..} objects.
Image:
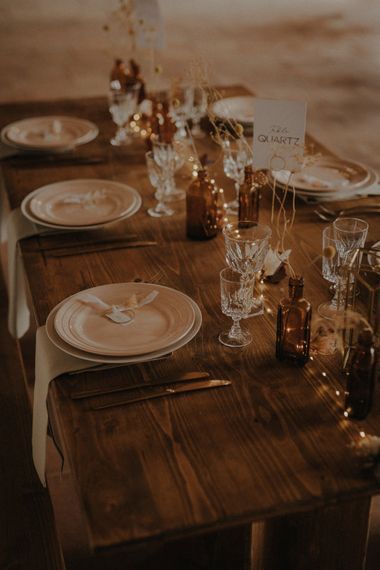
[
  {"x": 188, "y": 376},
  {"x": 172, "y": 390}
]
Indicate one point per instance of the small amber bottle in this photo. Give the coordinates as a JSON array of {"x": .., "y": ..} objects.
[
  {"x": 249, "y": 197},
  {"x": 293, "y": 324},
  {"x": 201, "y": 208},
  {"x": 361, "y": 378}
]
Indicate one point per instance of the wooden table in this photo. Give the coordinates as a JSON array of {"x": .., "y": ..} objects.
[{"x": 272, "y": 449}]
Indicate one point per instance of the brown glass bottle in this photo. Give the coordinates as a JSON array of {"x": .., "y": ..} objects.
[
  {"x": 361, "y": 378},
  {"x": 249, "y": 197},
  {"x": 293, "y": 324},
  {"x": 201, "y": 211}
]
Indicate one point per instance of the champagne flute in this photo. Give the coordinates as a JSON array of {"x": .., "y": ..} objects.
[{"x": 330, "y": 270}]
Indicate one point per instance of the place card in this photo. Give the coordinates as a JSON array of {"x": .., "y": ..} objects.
[{"x": 278, "y": 134}]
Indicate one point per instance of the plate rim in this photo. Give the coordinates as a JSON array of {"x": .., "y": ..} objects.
[
  {"x": 77, "y": 353},
  {"x": 93, "y": 132},
  {"x": 25, "y": 209},
  {"x": 121, "y": 186},
  {"x": 150, "y": 288}
]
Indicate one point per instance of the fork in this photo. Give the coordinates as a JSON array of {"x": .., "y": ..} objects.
[{"x": 328, "y": 214}]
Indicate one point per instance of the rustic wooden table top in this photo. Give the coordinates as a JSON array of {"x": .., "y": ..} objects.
[{"x": 273, "y": 443}]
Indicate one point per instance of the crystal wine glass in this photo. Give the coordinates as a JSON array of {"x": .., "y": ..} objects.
[
  {"x": 235, "y": 159},
  {"x": 157, "y": 180},
  {"x": 349, "y": 235},
  {"x": 330, "y": 269},
  {"x": 247, "y": 245},
  {"x": 170, "y": 160},
  {"x": 181, "y": 103},
  {"x": 122, "y": 105},
  {"x": 237, "y": 301}
]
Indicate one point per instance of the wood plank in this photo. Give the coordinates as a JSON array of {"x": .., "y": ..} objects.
[
  {"x": 332, "y": 538},
  {"x": 273, "y": 444}
]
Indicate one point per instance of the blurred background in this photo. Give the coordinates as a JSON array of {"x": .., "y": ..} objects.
[{"x": 325, "y": 52}]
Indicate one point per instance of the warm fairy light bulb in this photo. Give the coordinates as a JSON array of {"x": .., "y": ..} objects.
[
  {"x": 136, "y": 116},
  {"x": 362, "y": 433},
  {"x": 311, "y": 358},
  {"x": 324, "y": 374},
  {"x": 337, "y": 392},
  {"x": 269, "y": 311},
  {"x": 345, "y": 414}
]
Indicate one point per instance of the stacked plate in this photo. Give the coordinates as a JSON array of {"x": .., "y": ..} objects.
[
  {"x": 328, "y": 179},
  {"x": 81, "y": 204},
  {"x": 237, "y": 109},
  {"x": 49, "y": 133},
  {"x": 162, "y": 326}
]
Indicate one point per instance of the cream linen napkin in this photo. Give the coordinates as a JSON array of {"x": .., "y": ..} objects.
[
  {"x": 50, "y": 363},
  {"x": 18, "y": 227}
]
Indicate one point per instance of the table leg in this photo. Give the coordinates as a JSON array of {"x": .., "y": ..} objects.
[{"x": 329, "y": 538}]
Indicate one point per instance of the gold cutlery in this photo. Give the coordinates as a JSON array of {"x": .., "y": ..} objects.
[
  {"x": 103, "y": 392},
  {"x": 171, "y": 390},
  {"x": 106, "y": 247}
]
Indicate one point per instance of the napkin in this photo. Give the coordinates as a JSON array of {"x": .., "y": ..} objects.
[
  {"x": 50, "y": 363},
  {"x": 87, "y": 199},
  {"x": 18, "y": 227}
]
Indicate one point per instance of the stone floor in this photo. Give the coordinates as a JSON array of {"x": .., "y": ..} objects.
[{"x": 324, "y": 52}]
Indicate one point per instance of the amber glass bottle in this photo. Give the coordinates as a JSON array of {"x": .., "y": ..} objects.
[
  {"x": 249, "y": 197},
  {"x": 293, "y": 324},
  {"x": 361, "y": 378},
  {"x": 201, "y": 208}
]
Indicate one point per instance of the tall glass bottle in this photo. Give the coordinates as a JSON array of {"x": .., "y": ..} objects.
[
  {"x": 249, "y": 197},
  {"x": 293, "y": 324},
  {"x": 201, "y": 208},
  {"x": 361, "y": 378}
]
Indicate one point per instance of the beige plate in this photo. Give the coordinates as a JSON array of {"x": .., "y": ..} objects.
[
  {"x": 114, "y": 200},
  {"x": 238, "y": 109},
  {"x": 25, "y": 208},
  {"x": 156, "y": 325},
  {"x": 374, "y": 258},
  {"x": 76, "y": 352},
  {"x": 50, "y": 133},
  {"x": 326, "y": 175}
]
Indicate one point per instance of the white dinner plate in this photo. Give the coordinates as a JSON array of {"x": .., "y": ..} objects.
[
  {"x": 156, "y": 325},
  {"x": 239, "y": 109},
  {"x": 130, "y": 194},
  {"x": 64, "y": 203},
  {"x": 101, "y": 359},
  {"x": 326, "y": 175},
  {"x": 49, "y": 133}
]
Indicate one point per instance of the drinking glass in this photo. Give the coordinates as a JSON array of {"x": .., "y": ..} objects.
[
  {"x": 181, "y": 103},
  {"x": 235, "y": 158},
  {"x": 345, "y": 237},
  {"x": 350, "y": 234},
  {"x": 198, "y": 111},
  {"x": 247, "y": 245},
  {"x": 170, "y": 160},
  {"x": 237, "y": 301},
  {"x": 122, "y": 105},
  {"x": 157, "y": 180},
  {"x": 330, "y": 271}
]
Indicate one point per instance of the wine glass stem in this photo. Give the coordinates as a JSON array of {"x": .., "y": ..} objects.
[{"x": 235, "y": 331}]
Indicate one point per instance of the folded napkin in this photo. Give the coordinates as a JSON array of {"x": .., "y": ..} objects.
[
  {"x": 50, "y": 363},
  {"x": 121, "y": 314},
  {"x": 18, "y": 227}
]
